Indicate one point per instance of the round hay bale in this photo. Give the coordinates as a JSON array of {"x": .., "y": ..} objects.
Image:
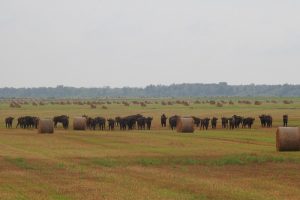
[
  {"x": 45, "y": 126},
  {"x": 79, "y": 123},
  {"x": 185, "y": 125},
  {"x": 288, "y": 139},
  {"x": 257, "y": 103},
  {"x": 219, "y": 104}
]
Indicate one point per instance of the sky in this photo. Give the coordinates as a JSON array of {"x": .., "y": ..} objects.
[{"x": 116, "y": 43}]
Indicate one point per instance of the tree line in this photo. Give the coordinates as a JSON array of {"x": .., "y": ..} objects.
[{"x": 174, "y": 90}]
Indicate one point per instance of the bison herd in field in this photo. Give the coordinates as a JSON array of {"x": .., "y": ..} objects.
[
  {"x": 141, "y": 122},
  {"x": 231, "y": 123}
]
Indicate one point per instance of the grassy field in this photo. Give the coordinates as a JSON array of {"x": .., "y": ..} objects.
[{"x": 156, "y": 164}]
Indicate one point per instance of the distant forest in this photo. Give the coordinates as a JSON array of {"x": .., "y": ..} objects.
[{"x": 174, "y": 90}]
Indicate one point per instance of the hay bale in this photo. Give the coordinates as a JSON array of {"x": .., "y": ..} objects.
[
  {"x": 185, "y": 125},
  {"x": 14, "y": 104},
  {"x": 79, "y": 123},
  {"x": 185, "y": 103},
  {"x": 257, "y": 103},
  {"x": 212, "y": 102},
  {"x": 126, "y": 103},
  {"x": 219, "y": 104},
  {"x": 197, "y": 102},
  {"x": 170, "y": 103},
  {"x": 104, "y": 107},
  {"x": 163, "y": 103},
  {"x": 143, "y": 104},
  {"x": 288, "y": 139},
  {"x": 287, "y": 102},
  {"x": 45, "y": 126}
]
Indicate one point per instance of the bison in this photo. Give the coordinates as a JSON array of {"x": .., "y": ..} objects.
[
  {"x": 163, "y": 120},
  {"x": 173, "y": 121},
  {"x": 63, "y": 119},
  {"x": 9, "y": 122},
  {"x": 111, "y": 124},
  {"x": 285, "y": 119},
  {"x": 214, "y": 123}
]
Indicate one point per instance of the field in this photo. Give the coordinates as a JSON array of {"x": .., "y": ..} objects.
[{"x": 157, "y": 164}]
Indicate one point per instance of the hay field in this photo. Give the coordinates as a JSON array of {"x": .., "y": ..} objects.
[{"x": 156, "y": 164}]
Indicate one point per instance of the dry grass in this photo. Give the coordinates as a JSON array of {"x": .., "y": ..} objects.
[{"x": 156, "y": 164}]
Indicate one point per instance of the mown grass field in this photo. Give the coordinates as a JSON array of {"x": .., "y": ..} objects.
[{"x": 156, "y": 164}]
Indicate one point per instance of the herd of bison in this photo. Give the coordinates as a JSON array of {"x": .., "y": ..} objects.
[{"x": 140, "y": 122}]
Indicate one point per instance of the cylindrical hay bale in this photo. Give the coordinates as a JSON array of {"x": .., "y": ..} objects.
[
  {"x": 45, "y": 126},
  {"x": 185, "y": 125},
  {"x": 288, "y": 139},
  {"x": 79, "y": 123}
]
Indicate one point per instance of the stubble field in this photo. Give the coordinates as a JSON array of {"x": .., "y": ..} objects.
[{"x": 155, "y": 164}]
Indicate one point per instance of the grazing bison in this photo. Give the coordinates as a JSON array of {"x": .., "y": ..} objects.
[
  {"x": 285, "y": 119},
  {"x": 63, "y": 119},
  {"x": 173, "y": 121},
  {"x": 163, "y": 120},
  {"x": 214, "y": 123},
  {"x": 9, "y": 122}
]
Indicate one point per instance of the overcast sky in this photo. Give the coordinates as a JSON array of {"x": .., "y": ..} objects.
[{"x": 139, "y": 42}]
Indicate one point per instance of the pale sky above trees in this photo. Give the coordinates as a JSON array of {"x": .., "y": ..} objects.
[{"x": 135, "y": 43}]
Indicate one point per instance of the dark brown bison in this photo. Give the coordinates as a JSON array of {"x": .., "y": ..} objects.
[
  {"x": 27, "y": 122},
  {"x": 247, "y": 122},
  {"x": 163, "y": 120},
  {"x": 63, "y": 119},
  {"x": 141, "y": 123},
  {"x": 173, "y": 121},
  {"x": 285, "y": 119},
  {"x": 266, "y": 121},
  {"x": 111, "y": 124},
  {"x": 214, "y": 121},
  {"x": 9, "y": 122},
  {"x": 148, "y": 122},
  {"x": 197, "y": 121},
  {"x": 224, "y": 122},
  {"x": 205, "y": 123}
]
